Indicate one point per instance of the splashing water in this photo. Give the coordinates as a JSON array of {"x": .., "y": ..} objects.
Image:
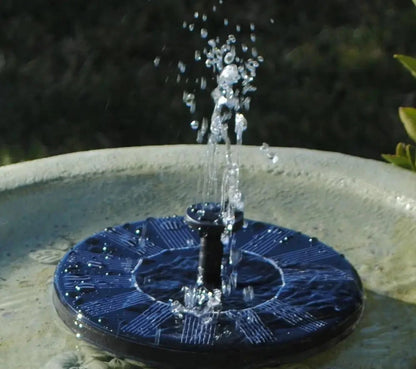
[
  {"x": 234, "y": 76},
  {"x": 233, "y": 66},
  {"x": 198, "y": 301},
  {"x": 272, "y": 156}
]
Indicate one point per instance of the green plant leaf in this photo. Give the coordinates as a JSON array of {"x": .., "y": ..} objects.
[
  {"x": 408, "y": 62},
  {"x": 411, "y": 155},
  {"x": 400, "y": 161},
  {"x": 401, "y": 148},
  {"x": 408, "y": 118}
]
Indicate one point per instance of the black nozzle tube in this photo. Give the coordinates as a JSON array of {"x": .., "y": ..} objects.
[
  {"x": 206, "y": 218},
  {"x": 210, "y": 259}
]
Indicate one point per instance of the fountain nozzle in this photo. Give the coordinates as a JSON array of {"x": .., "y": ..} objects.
[{"x": 207, "y": 219}]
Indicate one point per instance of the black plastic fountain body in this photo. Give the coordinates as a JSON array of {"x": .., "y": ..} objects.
[{"x": 206, "y": 219}]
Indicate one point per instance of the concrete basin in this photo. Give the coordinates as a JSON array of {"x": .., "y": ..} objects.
[{"x": 363, "y": 208}]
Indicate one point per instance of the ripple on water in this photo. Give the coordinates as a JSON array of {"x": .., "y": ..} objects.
[
  {"x": 77, "y": 360},
  {"x": 66, "y": 360},
  {"x": 94, "y": 358},
  {"x": 48, "y": 256},
  {"x": 16, "y": 300}
]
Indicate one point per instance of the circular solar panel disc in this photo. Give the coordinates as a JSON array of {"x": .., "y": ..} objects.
[{"x": 293, "y": 296}]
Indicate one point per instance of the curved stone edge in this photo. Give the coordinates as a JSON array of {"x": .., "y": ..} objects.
[{"x": 332, "y": 166}]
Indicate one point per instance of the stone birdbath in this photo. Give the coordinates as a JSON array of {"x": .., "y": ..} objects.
[{"x": 362, "y": 208}]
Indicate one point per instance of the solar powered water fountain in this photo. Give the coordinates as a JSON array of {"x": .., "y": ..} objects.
[
  {"x": 211, "y": 288},
  {"x": 124, "y": 294}
]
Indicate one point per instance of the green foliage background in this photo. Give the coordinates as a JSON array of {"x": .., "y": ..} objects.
[{"x": 78, "y": 75}]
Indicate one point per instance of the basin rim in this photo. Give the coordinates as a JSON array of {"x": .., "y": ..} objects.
[{"x": 359, "y": 172}]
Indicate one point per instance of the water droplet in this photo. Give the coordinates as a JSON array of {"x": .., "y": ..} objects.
[
  {"x": 203, "y": 83},
  {"x": 229, "y": 58},
  {"x": 225, "y": 21},
  {"x": 191, "y": 27},
  {"x": 253, "y": 37},
  {"x": 254, "y": 52},
  {"x": 248, "y": 294},
  {"x": 204, "y": 17},
  {"x": 188, "y": 98},
  {"x": 260, "y": 59},
  {"x": 238, "y": 28},
  {"x": 224, "y": 49},
  {"x": 197, "y": 55},
  {"x": 244, "y": 47},
  {"x": 156, "y": 61},
  {"x": 271, "y": 20},
  {"x": 313, "y": 240},
  {"x": 184, "y": 25},
  {"x": 252, "y": 26},
  {"x": 240, "y": 127},
  {"x": 181, "y": 67},
  {"x": 231, "y": 39},
  {"x": 212, "y": 43},
  {"x": 194, "y": 125},
  {"x": 196, "y": 15},
  {"x": 264, "y": 147},
  {"x": 204, "y": 33}
]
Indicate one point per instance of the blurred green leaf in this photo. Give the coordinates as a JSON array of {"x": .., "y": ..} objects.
[
  {"x": 401, "y": 149},
  {"x": 408, "y": 62},
  {"x": 400, "y": 161},
  {"x": 408, "y": 118}
]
